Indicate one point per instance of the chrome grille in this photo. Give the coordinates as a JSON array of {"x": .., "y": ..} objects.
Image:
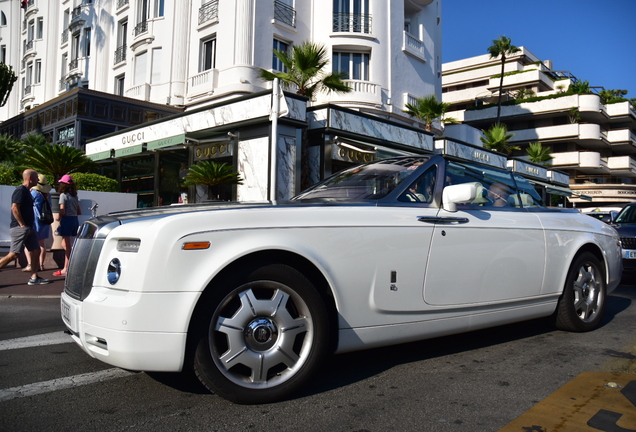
[
  {"x": 628, "y": 242},
  {"x": 84, "y": 257}
]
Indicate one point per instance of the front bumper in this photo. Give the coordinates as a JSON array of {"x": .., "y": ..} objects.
[{"x": 130, "y": 330}]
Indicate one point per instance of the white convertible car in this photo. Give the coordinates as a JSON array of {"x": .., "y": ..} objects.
[{"x": 252, "y": 297}]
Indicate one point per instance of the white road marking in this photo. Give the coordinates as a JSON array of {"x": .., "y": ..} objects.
[
  {"x": 34, "y": 341},
  {"x": 61, "y": 383}
]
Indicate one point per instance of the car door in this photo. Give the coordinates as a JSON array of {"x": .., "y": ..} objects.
[{"x": 483, "y": 253}]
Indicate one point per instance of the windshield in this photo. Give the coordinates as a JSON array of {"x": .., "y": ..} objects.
[
  {"x": 371, "y": 181},
  {"x": 627, "y": 215}
]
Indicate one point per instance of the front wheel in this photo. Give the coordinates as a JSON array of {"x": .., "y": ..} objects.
[
  {"x": 582, "y": 304},
  {"x": 259, "y": 338}
]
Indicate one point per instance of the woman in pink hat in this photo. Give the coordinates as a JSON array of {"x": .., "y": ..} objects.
[{"x": 69, "y": 222}]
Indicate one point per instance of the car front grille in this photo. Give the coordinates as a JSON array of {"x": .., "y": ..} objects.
[
  {"x": 84, "y": 256},
  {"x": 628, "y": 242}
]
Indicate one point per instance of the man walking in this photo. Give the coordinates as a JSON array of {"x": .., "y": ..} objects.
[{"x": 22, "y": 229}]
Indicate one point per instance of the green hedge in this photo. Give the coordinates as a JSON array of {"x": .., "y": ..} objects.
[{"x": 95, "y": 182}]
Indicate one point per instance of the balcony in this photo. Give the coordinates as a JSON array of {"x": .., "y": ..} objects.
[
  {"x": 64, "y": 37},
  {"x": 413, "y": 46},
  {"x": 140, "y": 28},
  {"x": 622, "y": 166},
  {"x": 587, "y": 135},
  {"x": 284, "y": 14},
  {"x": 589, "y": 163},
  {"x": 352, "y": 23},
  {"x": 203, "y": 83},
  {"x": 120, "y": 54},
  {"x": 209, "y": 12},
  {"x": 141, "y": 92},
  {"x": 623, "y": 140},
  {"x": 62, "y": 85},
  {"x": 362, "y": 93},
  {"x": 73, "y": 64},
  {"x": 122, "y": 3}
]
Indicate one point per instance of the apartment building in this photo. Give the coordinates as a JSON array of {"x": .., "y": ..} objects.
[
  {"x": 152, "y": 60},
  {"x": 594, "y": 143}
]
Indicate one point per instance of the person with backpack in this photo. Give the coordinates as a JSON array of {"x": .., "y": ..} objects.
[{"x": 43, "y": 217}]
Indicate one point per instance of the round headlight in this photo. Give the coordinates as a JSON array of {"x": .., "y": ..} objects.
[{"x": 114, "y": 271}]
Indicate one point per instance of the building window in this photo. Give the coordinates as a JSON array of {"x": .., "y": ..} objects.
[
  {"x": 277, "y": 65},
  {"x": 354, "y": 66},
  {"x": 155, "y": 69},
  {"x": 141, "y": 62},
  {"x": 87, "y": 42},
  {"x": 119, "y": 85},
  {"x": 351, "y": 16},
  {"x": 208, "y": 54},
  {"x": 38, "y": 72},
  {"x": 3, "y": 19},
  {"x": 3, "y": 54},
  {"x": 40, "y": 28},
  {"x": 75, "y": 50},
  {"x": 159, "y": 8}
]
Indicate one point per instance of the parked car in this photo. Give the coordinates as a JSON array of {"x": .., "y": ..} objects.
[
  {"x": 253, "y": 296},
  {"x": 625, "y": 224},
  {"x": 606, "y": 216}
]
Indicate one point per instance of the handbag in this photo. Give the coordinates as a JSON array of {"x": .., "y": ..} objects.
[{"x": 46, "y": 215}]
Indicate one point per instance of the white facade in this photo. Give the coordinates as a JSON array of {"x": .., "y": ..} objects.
[
  {"x": 189, "y": 53},
  {"x": 594, "y": 143}
]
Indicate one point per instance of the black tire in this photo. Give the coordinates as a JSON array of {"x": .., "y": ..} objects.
[
  {"x": 260, "y": 337},
  {"x": 582, "y": 304}
]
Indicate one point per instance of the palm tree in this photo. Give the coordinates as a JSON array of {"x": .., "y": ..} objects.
[
  {"x": 7, "y": 78},
  {"x": 429, "y": 109},
  {"x": 503, "y": 47},
  {"x": 304, "y": 65},
  {"x": 213, "y": 175},
  {"x": 56, "y": 160},
  {"x": 579, "y": 87},
  {"x": 10, "y": 148},
  {"x": 524, "y": 93},
  {"x": 496, "y": 138},
  {"x": 539, "y": 154}
]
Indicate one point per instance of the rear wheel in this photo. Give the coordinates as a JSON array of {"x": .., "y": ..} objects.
[
  {"x": 259, "y": 338},
  {"x": 582, "y": 304}
]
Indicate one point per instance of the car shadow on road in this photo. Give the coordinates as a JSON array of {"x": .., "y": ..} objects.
[{"x": 345, "y": 369}]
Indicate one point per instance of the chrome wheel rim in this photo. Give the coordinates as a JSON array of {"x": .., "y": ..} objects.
[
  {"x": 588, "y": 296},
  {"x": 261, "y": 334}
]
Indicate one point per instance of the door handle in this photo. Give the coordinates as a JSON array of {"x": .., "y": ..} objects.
[{"x": 442, "y": 220}]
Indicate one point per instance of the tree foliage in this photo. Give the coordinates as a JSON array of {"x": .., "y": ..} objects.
[
  {"x": 502, "y": 47},
  {"x": 10, "y": 148},
  {"x": 213, "y": 175},
  {"x": 496, "y": 138},
  {"x": 7, "y": 78},
  {"x": 428, "y": 109},
  {"x": 95, "y": 182},
  {"x": 304, "y": 71},
  {"x": 539, "y": 154},
  {"x": 56, "y": 160}
]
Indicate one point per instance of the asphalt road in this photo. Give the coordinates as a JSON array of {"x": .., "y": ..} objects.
[{"x": 482, "y": 381}]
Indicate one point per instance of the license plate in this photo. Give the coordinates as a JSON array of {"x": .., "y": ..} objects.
[
  {"x": 631, "y": 255},
  {"x": 69, "y": 315}
]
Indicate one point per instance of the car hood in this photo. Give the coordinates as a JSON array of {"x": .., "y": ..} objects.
[{"x": 625, "y": 229}]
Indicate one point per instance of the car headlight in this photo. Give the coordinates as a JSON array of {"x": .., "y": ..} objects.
[{"x": 114, "y": 271}]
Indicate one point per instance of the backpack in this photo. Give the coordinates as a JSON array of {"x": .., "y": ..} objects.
[{"x": 46, "y": 215}]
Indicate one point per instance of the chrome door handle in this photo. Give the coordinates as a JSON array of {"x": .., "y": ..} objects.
[{"x": 442, "y": 220}]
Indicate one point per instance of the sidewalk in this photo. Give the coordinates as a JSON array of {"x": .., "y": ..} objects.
[{"x": 13, "y": 283}]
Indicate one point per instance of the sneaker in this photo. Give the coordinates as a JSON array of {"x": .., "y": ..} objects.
[{"x": 38, "y": 281}]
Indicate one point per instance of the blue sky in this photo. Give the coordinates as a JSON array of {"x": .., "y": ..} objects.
[{"x": 593, "y": 39}]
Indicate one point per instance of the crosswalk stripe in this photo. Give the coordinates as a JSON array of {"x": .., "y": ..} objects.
[
  {"x": 61, "y": 383},
  {"x": 37, "y": 340}
]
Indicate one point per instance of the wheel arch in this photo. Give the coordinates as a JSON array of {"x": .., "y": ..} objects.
[{"x": 259, "y": 259}]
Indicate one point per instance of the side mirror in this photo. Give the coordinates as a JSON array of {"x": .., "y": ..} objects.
[{"x": 455, "y": 194}]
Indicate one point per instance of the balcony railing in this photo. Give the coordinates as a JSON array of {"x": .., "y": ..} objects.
[
  {"x": 284, "y": 13},
  {"x": 413, "y": 46},
  {"x": 73, "y": 64},
  {"x": 120, "y": 54},
  {"x": 209, "y": 12},
  {"x": 140, "y": 28},
  {"x": 122, "y": 3},
  {"x": 28, "y": 46},
  {"x": 76, "y": 12},
  {"x": 64, "y": 36},
  {"x": 354, "y": 23},
  {"x": 27, "y": 90},
  {"x": 62, "y": 84}
]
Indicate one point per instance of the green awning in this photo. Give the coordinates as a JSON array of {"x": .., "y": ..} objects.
[
  {"x": 126, "y": 151},
  {"x": 99, "y": 156},
  {"x": 166, "y": 142}
]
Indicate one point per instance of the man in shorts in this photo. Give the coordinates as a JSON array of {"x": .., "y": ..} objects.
[{"x": 22, "y": 226}]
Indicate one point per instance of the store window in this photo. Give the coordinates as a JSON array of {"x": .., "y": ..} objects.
[
  {"x": 138, "y": 176},
  {"x": 173, "y": 165}
]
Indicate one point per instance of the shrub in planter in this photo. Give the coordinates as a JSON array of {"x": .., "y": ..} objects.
[{"x": 95, "y": 182}]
